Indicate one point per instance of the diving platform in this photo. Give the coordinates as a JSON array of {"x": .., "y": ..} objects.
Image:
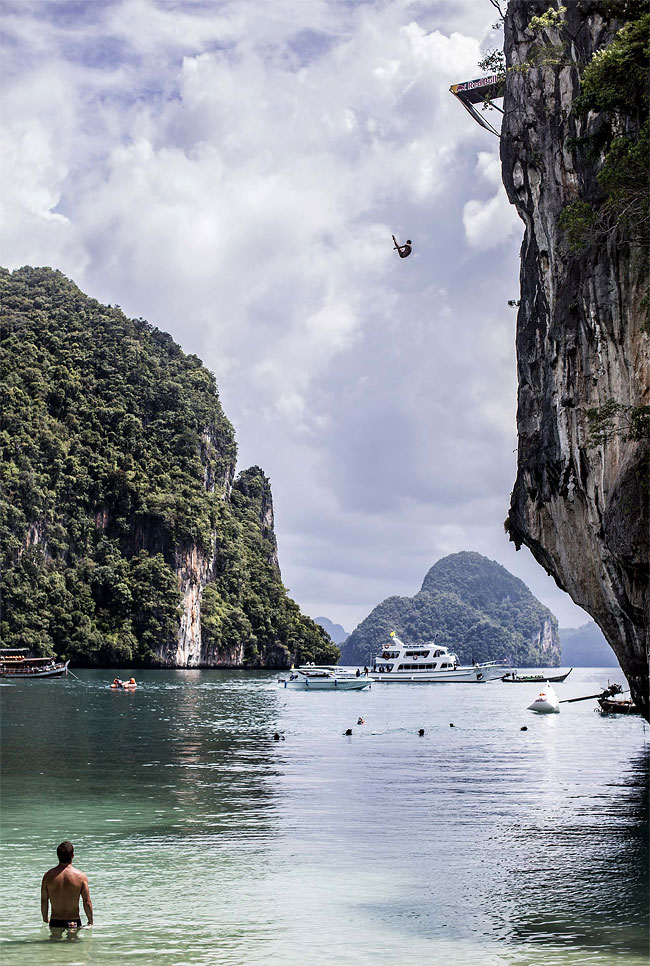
[{"x": 483, "y": 90}]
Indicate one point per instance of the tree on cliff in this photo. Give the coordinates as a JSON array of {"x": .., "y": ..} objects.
[{"x": 117, "y": 459}]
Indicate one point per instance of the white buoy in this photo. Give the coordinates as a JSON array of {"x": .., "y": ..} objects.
[{"x": 546, "y": 702}]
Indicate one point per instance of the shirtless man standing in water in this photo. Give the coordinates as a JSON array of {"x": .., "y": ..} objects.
[{"x": 62, "y": 886}]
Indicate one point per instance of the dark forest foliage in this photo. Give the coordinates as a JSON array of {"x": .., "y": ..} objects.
[
  {"x": 116, "y": 457},
  {"x": 473, "y": 605}
]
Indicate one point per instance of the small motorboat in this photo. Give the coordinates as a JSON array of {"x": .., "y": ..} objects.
[
  {"x": 513, "y": 677},
  {"x": 608, "y": 701},
  {"x": 546, "y": 702},
  {"x": 312, "y": 677}
]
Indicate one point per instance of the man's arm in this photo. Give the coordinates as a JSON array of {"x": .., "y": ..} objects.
[
  {"x": 85, "y": 898},
  {"x": 44, "y": 901}
]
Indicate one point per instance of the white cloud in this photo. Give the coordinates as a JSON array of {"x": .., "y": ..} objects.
[
  {"x": 233, "y": 172},
  {"x": 488, "y": 224},
  {"x": 491, "y": 222}
]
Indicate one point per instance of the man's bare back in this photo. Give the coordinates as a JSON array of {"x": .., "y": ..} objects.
[{"x": 62, "y": 887}]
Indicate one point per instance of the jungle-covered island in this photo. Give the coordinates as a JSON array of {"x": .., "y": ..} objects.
[
  {"x": 127, "y": 536},
  {"x": 471, "y": 604}
]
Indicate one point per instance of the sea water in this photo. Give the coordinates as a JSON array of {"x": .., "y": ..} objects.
[{"x": 207, "y": 842}]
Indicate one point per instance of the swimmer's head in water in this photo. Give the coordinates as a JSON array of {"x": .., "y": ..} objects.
[{"x": 65, "y": 852}]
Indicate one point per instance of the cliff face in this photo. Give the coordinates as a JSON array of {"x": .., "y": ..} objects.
[
  {"x": 581, "y": 342},
  {"x": 249, "y": 493}
]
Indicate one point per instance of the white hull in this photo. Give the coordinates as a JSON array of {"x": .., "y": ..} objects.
[
  {"x": 477, "y": 674},
  {"x": 429, "y": 663},
  {"x": 320, "y": 684}
]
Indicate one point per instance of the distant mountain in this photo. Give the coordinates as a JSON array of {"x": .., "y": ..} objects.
[
  {"x": 586, "y": 647},
  {"x": 474, "y": 606},
  {"x": 335, "y": 631}
]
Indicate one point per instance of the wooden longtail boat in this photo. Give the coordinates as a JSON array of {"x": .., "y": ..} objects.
[
  {"x": 611, "y": 706},
  {"x": 513, "y": 678},
  {"x": 15, "y": 663}
]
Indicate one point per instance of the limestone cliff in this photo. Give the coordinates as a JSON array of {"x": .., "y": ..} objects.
[
  {"x": 582, "y": 336},
  {"x": 195, "y": 645}
]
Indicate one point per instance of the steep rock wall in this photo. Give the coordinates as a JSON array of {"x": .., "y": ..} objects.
[
  {"x": 195, "y": 569},
  {"x": 582, "y": 511}
]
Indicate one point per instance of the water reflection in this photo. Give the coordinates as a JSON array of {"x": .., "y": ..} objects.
[
  {"x": 585, "y": 882},
  {"x": 207, "y": 842}
]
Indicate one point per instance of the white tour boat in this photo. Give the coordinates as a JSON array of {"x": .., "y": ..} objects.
[
  {"x": 428, "y": 662},
  {"x": 314, "y": 677}
]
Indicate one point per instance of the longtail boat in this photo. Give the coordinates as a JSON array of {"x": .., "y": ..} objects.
[
  {"x": 607, "y": 701},
  {"x": 16, "y": 663},
  {"x": 612, "y": 706},
  {"x": 514, "y": 678}
]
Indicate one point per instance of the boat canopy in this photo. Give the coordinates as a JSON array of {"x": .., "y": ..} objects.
[{"x": 479, "y": 91}]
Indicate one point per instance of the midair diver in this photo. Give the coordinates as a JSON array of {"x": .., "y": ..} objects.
[{"x": 404, "y": 250}]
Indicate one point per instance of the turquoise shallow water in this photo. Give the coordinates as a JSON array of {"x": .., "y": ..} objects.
[{"x": 206, "y": 842}]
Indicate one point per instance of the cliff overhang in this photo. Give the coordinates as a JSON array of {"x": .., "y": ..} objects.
[{"x": 580, "y": 504}]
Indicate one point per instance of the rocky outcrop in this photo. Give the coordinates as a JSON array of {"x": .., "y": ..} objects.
[
  {"x": 581, "y": 509},
  {"x": 255, "y": 488},
  {"x": 195, "y": 570}
]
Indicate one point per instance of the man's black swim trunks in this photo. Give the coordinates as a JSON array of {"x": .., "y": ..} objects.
[{"x": 65, "y": 923}]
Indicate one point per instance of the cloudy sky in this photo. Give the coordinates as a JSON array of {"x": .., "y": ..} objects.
[{"x": 232, "y": 171}]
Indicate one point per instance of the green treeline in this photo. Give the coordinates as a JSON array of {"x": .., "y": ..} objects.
[
  {"x": 118, "y": 463},
  {"x": 472, "y": 605}
]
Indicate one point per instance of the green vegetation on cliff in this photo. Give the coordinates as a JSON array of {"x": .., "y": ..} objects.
[
  {"x": 247, "y": 602},
  {"x": 117, "y": 460},
  {"x": 474, "y": 606},
  {"x": 615, "y": 86}
]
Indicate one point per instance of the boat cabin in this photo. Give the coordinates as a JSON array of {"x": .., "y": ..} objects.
[{"x": 428, "y": 656}]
